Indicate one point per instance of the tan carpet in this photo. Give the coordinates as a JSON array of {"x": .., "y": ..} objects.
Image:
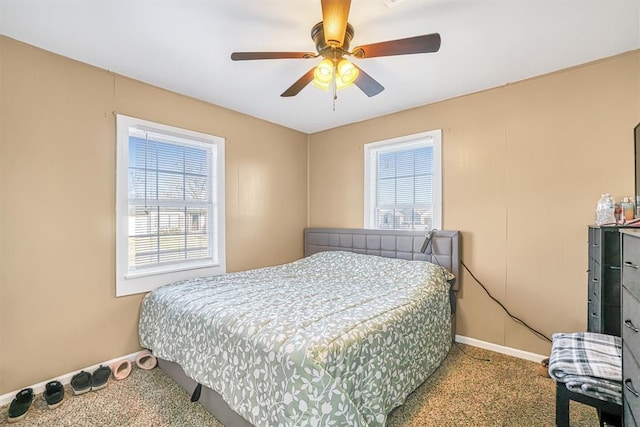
[{"x": 504, "y": 391}]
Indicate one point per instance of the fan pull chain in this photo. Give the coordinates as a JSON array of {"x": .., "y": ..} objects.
[{"x": 335, "y": 86}]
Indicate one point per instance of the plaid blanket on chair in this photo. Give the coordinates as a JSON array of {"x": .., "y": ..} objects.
[{"x": 588, "y": 363}]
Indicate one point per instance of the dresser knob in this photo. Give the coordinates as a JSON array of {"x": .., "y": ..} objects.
[
  {"x": 629, "y": 386},
  {"x": 630, "y": 264},
  {"x": 630, "y": 325}
]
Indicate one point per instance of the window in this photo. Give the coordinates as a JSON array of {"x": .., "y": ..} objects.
[
  {"x": 169, "y": 205},
  {"x": 403, "y": 183}
]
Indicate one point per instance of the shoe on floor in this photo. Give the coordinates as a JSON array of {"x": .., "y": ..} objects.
[
  {"x": 20, "y": 405},
  {"x": 100, "y": 378},
  {"x": 121, "y": 369},
  {"x": 81, "y": 383},
  {"x": 145, "y": 360},
  {"x": 53, "y": 394}
]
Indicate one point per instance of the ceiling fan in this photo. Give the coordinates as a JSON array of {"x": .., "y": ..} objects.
[{"x": 332, "y": 37}]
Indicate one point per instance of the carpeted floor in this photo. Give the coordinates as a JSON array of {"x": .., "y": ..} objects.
[{"x": 464, "y": 391}]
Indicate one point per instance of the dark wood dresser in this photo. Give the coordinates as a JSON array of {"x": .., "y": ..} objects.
[
  {"x": 630, "y": 249},
  {"x": 603, "y": 315}
]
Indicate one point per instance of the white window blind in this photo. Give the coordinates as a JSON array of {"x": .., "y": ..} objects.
[
  {"x": 169, "y": 206},
  {"x": 170, "y": 200},
  {"x": 403, "y": 183}
]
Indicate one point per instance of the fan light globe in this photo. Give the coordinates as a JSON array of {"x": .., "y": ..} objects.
[
  {"x": 318, "y": 84},
  {"x": 324, "y": 71},
  {"x": 346, "y": 74},
  {"x": 323, "y": 74}
]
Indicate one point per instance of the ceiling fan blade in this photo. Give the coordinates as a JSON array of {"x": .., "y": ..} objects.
[
  {"x": 367, "y": 84},
  {"x": 247, "y": 56},
  {"x": 300, "y": 84},
  {"x": 419, "y": 44},
  {"x": 335, "y": 14}
]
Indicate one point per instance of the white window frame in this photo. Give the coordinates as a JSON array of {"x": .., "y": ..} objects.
[
  {"x": 133, "y": 282},
  {"x": 432, "y": 137}
]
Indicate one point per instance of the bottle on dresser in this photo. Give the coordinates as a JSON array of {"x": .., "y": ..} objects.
[
  {"x": 605, "y": 210},
  {"x": 627, "y": 209}
]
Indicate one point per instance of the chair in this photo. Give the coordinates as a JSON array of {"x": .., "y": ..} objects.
[
  {"x": 608, "y": 412},
  {"x": 585, "y": 359}
]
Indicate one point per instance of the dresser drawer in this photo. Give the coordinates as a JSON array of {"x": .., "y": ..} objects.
[
  {"x": 631, "y": 276},
  {"x": 631, "y": 381},
  {"x": 631, "y": 247},
  {"x": 631, "y": 321},
  {"x": 594, "y": 302},
  {"x": 628, "y": 417},
  {"x": 594, "y": 323},
  {"x": 631, "y": 264},
  {"x": 594, "y": 238},
  {"x": 595, "y": 279}
]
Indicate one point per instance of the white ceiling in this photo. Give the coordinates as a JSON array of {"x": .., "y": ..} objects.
[{"x": 184, "y": 46}]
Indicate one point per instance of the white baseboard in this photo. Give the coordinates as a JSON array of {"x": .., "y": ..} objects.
[
  {"x": 521, "y": 354},
  {"x": 6, "y": 399}
]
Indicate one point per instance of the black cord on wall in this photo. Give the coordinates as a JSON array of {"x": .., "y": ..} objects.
[
  {"x": 426, "y": 244},
  {"x": 517, "y": 319}
]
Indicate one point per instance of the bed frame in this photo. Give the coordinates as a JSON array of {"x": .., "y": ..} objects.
[{"x": 444, "y": 249}]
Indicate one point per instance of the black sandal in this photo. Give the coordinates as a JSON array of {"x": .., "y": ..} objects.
[
  {"x": 20, "y": 405},
  {"x": 100, "y": 377},
  {"x": 53, "y": 394},
  {"x": 81, "y": 383}
]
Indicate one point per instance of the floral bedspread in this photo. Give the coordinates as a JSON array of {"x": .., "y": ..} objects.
[{"x": 335, "y": 339}]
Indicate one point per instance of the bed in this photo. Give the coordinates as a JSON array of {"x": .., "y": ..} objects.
[{"x": 339, "y": 337}]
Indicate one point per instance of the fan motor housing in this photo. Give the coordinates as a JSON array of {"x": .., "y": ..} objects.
[{"x": 317, "y": 34}]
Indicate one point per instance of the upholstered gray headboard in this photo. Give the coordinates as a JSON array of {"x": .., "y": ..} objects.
[{"x": 443, "y": 250}]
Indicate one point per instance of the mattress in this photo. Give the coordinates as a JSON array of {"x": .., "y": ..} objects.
[{"x": 336, "y": 338}]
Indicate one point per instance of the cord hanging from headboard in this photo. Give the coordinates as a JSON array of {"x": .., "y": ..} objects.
[{"x": 427, "y": 240}]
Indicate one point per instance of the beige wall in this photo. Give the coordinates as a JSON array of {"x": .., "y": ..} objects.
[
  {"x": 523, "y": 164},
  {"x": 523, "y": 167},
  {"x": 58, "y": 311}
]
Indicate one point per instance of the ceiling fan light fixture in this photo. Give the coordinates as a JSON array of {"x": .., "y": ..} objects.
[
  {"x": 323, "y": 74},
  {"x": 332, "y": 37},
  {"x": 347, "y": 73},
  {"x": 324, "y": 71}
]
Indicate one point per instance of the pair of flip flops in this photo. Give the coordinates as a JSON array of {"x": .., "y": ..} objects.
[
  {"x": 121, "y": 369},
  {"x": 53, "y": 394},
  {"x": 144, "y": 360},
  {"x": 84, "y": 382}
]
